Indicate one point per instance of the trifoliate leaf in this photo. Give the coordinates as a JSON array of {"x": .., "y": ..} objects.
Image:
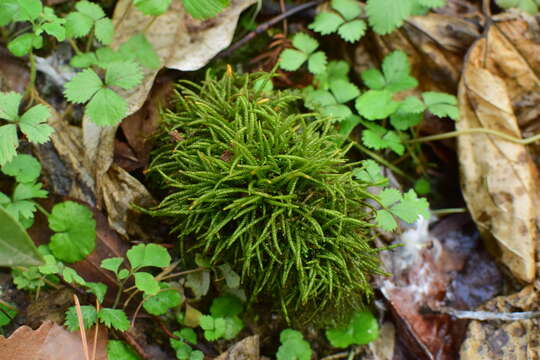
[
  {"x": 55, "y": 29},
  {"x": 89, "y": 316},
  {"x": 317, "y": 62},
  {"x": 104, "y": 31},
  {"x": 125, "y": 75},
  {"x": 82, "y": 86},
  {"x": 106, "y": 108},
  {"x": 343, "y": 90},
  {"x": 143, "y": 255},
  {"x": 22, "y": 44},
  {"x": 187, "y": 335},
  {"x": 362, "y": 329},
  {"x": 404, "y": 121},
  {"x": 146, "y": 283},
  {"x": 291, "y": 60},
  {"x": 214, "y": 328},
  {"x": 164, "y": 300},
  {"x": 337, "y": 112},
  {"x": 25, "y": 191},
  {"x": 305, "y": 43},
  {"x": 139, "y": 48},
  {"x": 335, "y": 70},
  {"x": 378, "y": 138},
  {"x": 386, "y": 221},
  {"x": 411, "y": 207},
  {"x": 33, "y": 124},
  {"x": 117, "y": 350},
  {"x": 370, "y": 173},
  {"x": 205, "y": 9},
  {"x": 352, "y": 31},
  {"x": 226, "y": 305},
  {"x": 389, "y": 196},
  {"x": 396, "y": 71},
  {"x": 26, "y": 10},
  {"x": 98, "y": 289},
  {"x": 50, "y": 267},
  {"x": 9, "y": 105},
  {"x": 90, "y": 9},
  {"x": 152, "y": 7},
  {"x": 8, "y": 143},
  {"x": 25, "y": 168},
  {"x": 114, "y": 318},
  {"x": 319, "y": 98},
  {"x": 70, "y": 275},
  {"x": 349, "y": 9},
  {"x": 75, "y": 229},
  {"x": 386, "y": 15},
  {"x": 441, "y": 104},
  {"x": 411, "y": 104},
  {"x": 112, "y": 264},
  {"x": 373, "y": 79},
  {"x": 326, "y": 23},
  {"x": 293, "y": 346},
  {"x": 78, "y": 25},
  {"x": 376, "y": 104}
]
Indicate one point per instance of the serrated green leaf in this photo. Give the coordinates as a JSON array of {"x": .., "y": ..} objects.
[
  {"x": 352, "y": 31},
  {"x": 376, "y": 104},
  {"x": 404, "y": 121},
  {"x": 114, "y": 318},
  {"x": 90, "y": 9},
  {"x": 22, "y": 44},
  {"x": 8, "y": 143},
  {"x": 78, "y": 25},
  {"x": 25, "y": 191},
  {"x": 205, "y": 9},
  {"x": 70, "y": 275},
  {"x": 33, "y": 124},
  {"x": 227, "y": 305},
  {"x": 305, "y": 43},
  {"x": 117, "y": 350},
  {"x": 291, "y": 60},
  {"x": 317, "y": 62},
  {"x": 24, "y": 168},
  {"x": 152, "y": 7},
  {"x": 27, "y": 10},
  {"x": 144, "y": 255},
  {"x": 16, "y": 247},
  {"x": 9, "y": 105},
  {"x": 386, "y": 221},
  {"x": 233, "y": 326},
  {"x": 326, "y": 23},
  {"x": 112, "y": 264},
  {"x": 370, "y": 173},
  {"x": 89, "y": 316},
  {"x": 293, "y": 346},
  {"x": 163, "y": 301},
  {"x": 98, "y": 289},
  {"x": 319, "y": 98},
  {"x": 411, "y": 207},
  {"x": 343, "y": 90},
  {"x": 373, "y": 79},
  {"x": 106, "y": 108},
  {"x": 83, "y": 60},
  {"x": 441, "y": 104},
  {"x": 337, "y": 112},
  {"x": 214, "y": 328},
  {"x": 55, "y": 29},
  {"x": 386, "y": 15},
  {"x": 139, "y": 48},
  {"x": 125, "y": 75},
  {"x": 104, "y": 31},
  {"x": 396, "y": 71},
  {"x": 83, "y": 86},
  {"x": 378, "y": 138},
  {"x": 349, "y": 9},
  {"x": 389, "y": 196},
  {"x": 146, "y": 283},
  {"x": 75, "y": 230}
]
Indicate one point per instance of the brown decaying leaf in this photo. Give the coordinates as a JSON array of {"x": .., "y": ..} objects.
[
  {"x": 499, "y": 177},
  {"x": 50, "y": 342},
  {"x": 246, "y": 349},
  {"x": 505, "y": 340},
  {"x": 14, "y": 74}
]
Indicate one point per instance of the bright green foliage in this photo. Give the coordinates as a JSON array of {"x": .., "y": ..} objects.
[
  {"x": 227, "y": 305},
  {"x": 395, "y": 74},
  {"x": 21, "y": 204},
  {"x": 293, "y": 346},
  {"x": 406, "y": 207},
  {"x": 205, "y": 9},
  {"x": 117, "y": 350},
  {"x": 7, "y": 313},
  {"x": 167, "y": 298},
  {"x": 89, "y": 316},
  {"x": 379, "y": 138},
  {"x": 274, "y": 202},
  {"x": 33, "y": 124},
  {"x": 344, "y": 21},
  {"x": 112, "y": 264},
  {"x": 441, "y": 105},
  {"x": 183, "y": 350},
  {"x": 376, "y": 104},
  {"x": 370, "y": 172},
  {"x": 19, "y": 10},
  {"x": 75, "y": 229},
  {"x": 387, "y": 15},
  {"x": 139, "y": 49},
  {"x": 104, "y": 106},
  {"x": 24, "y": 168},
  {"x": 144, "y": 255},
  {"x": 114, "y": 319},
  {"x": 362, "y": 329},
  {"x": 16, "y": 247},
  {"x": 214, "y": 328},
  {"x": 146, "y": 283},
  {"x": 89, "y": 16},
  {"x": 305, "y": 46},
  {"x": 152, "y": 7},
  {"x": 529, "y": 6},
  {"x": 332, "y": 102}
]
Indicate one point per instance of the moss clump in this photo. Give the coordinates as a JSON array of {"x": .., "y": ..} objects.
[{"x": 253, "y": 182}]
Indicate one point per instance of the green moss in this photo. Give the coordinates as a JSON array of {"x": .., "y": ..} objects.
[{"x": 253, "y": 182}]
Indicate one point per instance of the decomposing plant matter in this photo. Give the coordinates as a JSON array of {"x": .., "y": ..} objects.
[{"x": 254, "y": 182}]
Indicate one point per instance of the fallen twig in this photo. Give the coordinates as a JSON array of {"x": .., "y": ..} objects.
[{"x": 489, "y": 315}]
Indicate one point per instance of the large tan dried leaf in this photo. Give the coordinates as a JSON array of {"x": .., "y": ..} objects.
[
  {"x": 245, "y": 349},
  {"x": 498, "y": 177},
  {"x": 50, "y": 342}
]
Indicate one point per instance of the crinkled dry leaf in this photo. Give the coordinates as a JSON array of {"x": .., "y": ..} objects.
[
  {"x": 505, "y": 340},
  {"x": 50, "y": 342},
  {"x": 245, "y": 349},
  {"x": 498, "y": 177}
]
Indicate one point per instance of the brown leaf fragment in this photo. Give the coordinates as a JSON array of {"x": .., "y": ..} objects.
[
  {"x": 246, "y": 349},
  {"x": 50, "y": 342},
  {"x": 498, "y": 176}
]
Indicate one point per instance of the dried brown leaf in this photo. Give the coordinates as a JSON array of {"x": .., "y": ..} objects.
[{"x": 245, "y": 349}]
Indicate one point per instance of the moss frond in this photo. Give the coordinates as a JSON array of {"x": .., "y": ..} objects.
[{"x": 255, "y": 183}]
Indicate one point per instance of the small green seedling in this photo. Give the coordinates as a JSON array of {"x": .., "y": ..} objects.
[
  {"x": 362, "y": 329},
  {"x": 304, "y": 50},
  {"x": 293, "y": 346},
  {"x": 344, "y": 20}
]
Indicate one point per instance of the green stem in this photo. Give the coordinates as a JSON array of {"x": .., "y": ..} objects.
[
  {"x": 381, "y": 161},
  {"x": 449, "y": 211},
  {"x": 74, "y": 46},
  {"x": 89, "y": 41},
  {"x": 453, "y": 134},
  {"x": 42, "y": 210}
]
